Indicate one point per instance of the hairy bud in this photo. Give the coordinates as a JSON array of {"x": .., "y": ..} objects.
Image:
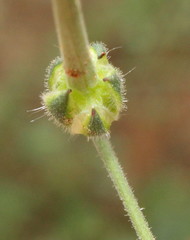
[{"x": 88, "y": 112}]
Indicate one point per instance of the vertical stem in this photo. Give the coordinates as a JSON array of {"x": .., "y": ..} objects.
[
  {"x": 74, "y": 43},
  {"x": 121, "y": 184},
  {"x": 78, "y": 66}
]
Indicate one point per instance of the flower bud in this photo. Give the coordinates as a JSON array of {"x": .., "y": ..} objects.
[{"x": 88, "y": 112}]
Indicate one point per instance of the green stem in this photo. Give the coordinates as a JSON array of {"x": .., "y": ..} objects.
[
  {"x": 78, "y": 66},
  {"x": 121, "y": 184},
  {"x": 74, "y": 45}
]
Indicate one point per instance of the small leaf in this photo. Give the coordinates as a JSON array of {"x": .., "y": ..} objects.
[
  {"x": 57, "y": 105},
  {"x": 100, "y": 49},
  {"x": 115, "y": 81},
  {"x": 95, "y": 125}
]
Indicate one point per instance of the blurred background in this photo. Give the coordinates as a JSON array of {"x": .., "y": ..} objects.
[{"x": 53, "y": 186}]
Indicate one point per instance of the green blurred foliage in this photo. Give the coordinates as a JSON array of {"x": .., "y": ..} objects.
[{"x": 54, "y": 186}]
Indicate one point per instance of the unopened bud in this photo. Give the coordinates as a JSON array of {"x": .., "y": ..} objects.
[{"x": 90, "y": 112}]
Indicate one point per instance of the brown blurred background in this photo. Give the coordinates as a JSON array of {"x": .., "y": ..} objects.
[{"x": 53, "y": 186}]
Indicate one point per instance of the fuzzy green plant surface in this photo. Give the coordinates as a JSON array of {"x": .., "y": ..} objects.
[
  {"x": 91, "y": 112},
  {"x": 84, "y": 94}
]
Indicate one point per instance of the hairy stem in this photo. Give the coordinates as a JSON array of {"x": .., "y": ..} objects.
[
  {"x": 123, "y": 188},
  {"x": 78, "y": 66},
  {"x": 73, "y": 42}
]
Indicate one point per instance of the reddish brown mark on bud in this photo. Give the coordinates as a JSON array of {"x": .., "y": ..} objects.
[
  {"x": 101, "y": 55},
  {"x": 73, "y": 73},
  {"x": 106, "y": 79},
  {"x": 67, "y": 121},
  {"x": 69, "y": 91},
  {"x": 93, "y": 112}
]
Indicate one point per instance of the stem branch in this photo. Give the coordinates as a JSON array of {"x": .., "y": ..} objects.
[{"x": 121, "y": 184}]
